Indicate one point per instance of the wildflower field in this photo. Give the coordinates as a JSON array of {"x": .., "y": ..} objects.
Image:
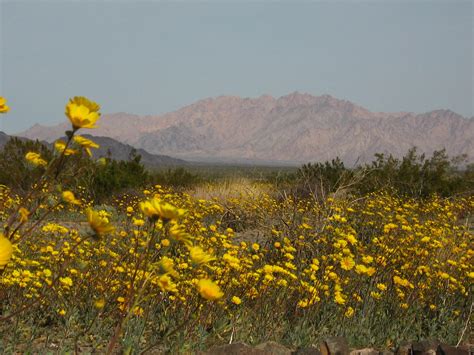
[{"x": 159, "y": 269}]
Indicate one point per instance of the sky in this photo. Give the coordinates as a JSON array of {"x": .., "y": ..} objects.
[{"x": 152, "y": 57}]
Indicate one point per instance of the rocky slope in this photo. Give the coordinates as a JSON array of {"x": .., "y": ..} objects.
[
  {"x": 296, "y": 128},
  {"x": 122, "y": 151}
]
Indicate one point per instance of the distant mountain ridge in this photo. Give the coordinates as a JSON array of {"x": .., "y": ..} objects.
[
  {"x": 118, "y": 151},
  {"x": 121, "y": 151},
  {"x": 293, "y": 128}
]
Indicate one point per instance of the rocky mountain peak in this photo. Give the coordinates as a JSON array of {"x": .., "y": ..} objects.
[{"x": 297, "y": 127}]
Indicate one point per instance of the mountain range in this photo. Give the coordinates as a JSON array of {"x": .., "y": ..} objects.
[{"x": 294, "y": 128}]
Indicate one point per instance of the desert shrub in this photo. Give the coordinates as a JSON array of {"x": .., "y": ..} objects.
[
  {"x": 176, "y": 177},
  {"x": 413, "y": 175},
  {"x": 100, "y": 180},
  {"x": 114, "y": 176},
  {"x": 416, "y": 175},
  {"x": 321, "y": 179},
  {"x": 15, "y": 171}
]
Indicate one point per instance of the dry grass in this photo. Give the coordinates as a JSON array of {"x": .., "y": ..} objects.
[{"x": 230, "y": 188}]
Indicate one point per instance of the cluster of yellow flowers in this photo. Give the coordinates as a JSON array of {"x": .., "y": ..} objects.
[{"x": 387, "y": 250}]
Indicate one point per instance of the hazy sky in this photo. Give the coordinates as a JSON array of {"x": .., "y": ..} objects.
[{"x": 154, "y": 57}]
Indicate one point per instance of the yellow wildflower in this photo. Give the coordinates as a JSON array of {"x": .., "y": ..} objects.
[
  {"x": 166, "y": 266},
  {"x": 6, "y": 251},
  {"x": 178, "y": 233},
  {"x": 349, "y": 312},
  {"x": 199, "y": 256},
  {"x": 138, "y": 222},
  {"x": 69, "y": 197},
  {"x": 303, "y": 303},
  {"x": 347, "y": 263},
  {"x": 99, "y": 304},
  {"x": 209, "y": 290},
  {"x": 85, "y": 143},
  {"x": 156, "y": 208},
  {"x": 3, "y": 105},
  {"x": 361, "y": 269},
  {"x": 339, "y": 298},
  {"x": 138, "y": 311},
  {"x": 60, "y": 146},
  {"x": 399, "y": 281},
  {"x": 236, "y": 300},
  {"x": 367, "y": 259},
  {"x": 166, "y": 284},
  {"x": 370, "y": 271},
  {"x": 375, "y": 295},
  {"x": 66, "y": 281},
  {"x": 35, "y": 159},
  {"x": 24, "y": 213},
  {"x": 82, "y": 112},
  {"x": 444, "y": 275},
  {"x": 351, "y": 239},
  {"x": 100, "y": 225}
]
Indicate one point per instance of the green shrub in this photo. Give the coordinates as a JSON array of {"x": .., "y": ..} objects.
[
  {"x": 177, "y": 177},
  {"x": 15, "y": 171},
  {"x": 115, "y": 176},
  {"x": 414, "y": 175},
  {"x": 99, "y": 180}
]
